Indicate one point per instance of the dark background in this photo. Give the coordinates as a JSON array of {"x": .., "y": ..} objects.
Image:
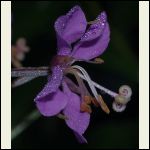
[{"x": 35, "y": 22}]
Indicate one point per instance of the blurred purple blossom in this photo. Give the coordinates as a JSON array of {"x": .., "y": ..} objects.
[{"x": 18, "y": 52}]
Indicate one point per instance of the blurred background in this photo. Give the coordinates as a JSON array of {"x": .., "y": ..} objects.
[{"x": 35, "y": 22}]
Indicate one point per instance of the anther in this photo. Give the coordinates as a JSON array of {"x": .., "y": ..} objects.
[
  {"x": 85, "y": 108},
  {"x": 99, "y": 60},
  {"x": 103, "y": 104},
  {"x": 87, "y": 99},
  {"x": 94, "y": 101}
]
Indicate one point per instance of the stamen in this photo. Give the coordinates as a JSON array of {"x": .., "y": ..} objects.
[
  {"x": 98, "y": 97},
  {"x": 103, "y": 104},
  {"x": 99, "y": 60},
  {"x": 87, "y": 99},
  {"x": 109, "y": 92},
  {"x": 92, "y": 22},
  {"x": 94, "y": 101},
  {"x": 96, "y": 61},
  {"x": 88, "y": 80},
  {"x": 85, "y": 108},
  {"x": 121, "y": 99},
  {"x": 83, "y": 89}
]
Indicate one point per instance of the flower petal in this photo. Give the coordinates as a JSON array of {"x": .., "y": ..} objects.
[
  {"x": 53, "y": 83},
  {"x": 52, "y": 104},
  {"x": 78, "y": 121},
  {"x": 95, "y": 43},
  {"x": 70, "y": 28},
  {"x": 63, "y": 47},
  {"x": 96, "y": 29}
]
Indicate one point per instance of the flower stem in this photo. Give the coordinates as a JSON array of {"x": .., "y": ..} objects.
[
  {"x": 34, "y": 115},
  {"x": 27, "y": 121},
  {"x": 21, "y": 80}
]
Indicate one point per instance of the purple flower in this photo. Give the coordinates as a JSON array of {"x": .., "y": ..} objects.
[{"x": 75, "y": 43}]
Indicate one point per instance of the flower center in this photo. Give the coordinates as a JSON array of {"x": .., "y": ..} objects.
[{"x": 61, "y": 60}]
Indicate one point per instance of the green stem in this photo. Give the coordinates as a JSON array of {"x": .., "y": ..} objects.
[{"x": 34, "y": 115}]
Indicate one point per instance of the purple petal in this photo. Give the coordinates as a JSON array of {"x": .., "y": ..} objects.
[
  {"x": 78, "y": 121},
  {"x": 96, "y": 29},
  {"x": 52, "y": 104},
  {"x": 70, "y": 28},
  {"x": 73, "y": 87},
  {"x": 80, "y": 138},
  {"x": 95, "y": 44},
  {"x": 53, "y": 83},
  {"x": 63, "y": 47}
]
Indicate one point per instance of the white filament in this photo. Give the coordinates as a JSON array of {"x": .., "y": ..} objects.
[
  {"x": 116, "y": 107},
  {"x": 88, "y": 79},
  {"x": 92, "y": 83}
]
